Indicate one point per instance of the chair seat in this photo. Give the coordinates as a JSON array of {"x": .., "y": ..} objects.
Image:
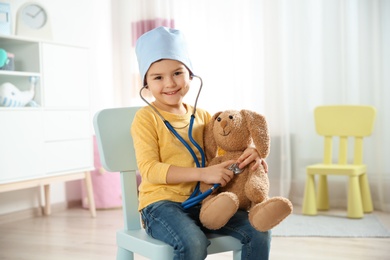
[
  {"x": 336, "y": 169},
  {"x": 138, "y": 241}
]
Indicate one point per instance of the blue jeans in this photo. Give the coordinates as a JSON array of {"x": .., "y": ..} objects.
[{"x": 169, "y": 222}]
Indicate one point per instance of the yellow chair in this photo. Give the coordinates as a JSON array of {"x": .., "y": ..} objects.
[{"x": 342, "y": 121}]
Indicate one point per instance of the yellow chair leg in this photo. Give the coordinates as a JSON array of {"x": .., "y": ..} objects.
[
  {"x": 366, "y": 194},
  {"x": 355, "y": 208},
  {"x": 322, "y": 194},
  {"x": 309, "y": 200}
]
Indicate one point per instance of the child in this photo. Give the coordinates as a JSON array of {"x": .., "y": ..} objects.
[{"x": 167, "y": 168}]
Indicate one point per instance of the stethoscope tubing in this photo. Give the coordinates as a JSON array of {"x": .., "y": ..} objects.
[
  {"x": 181, "y": 139},
  {"x": 196, "y": 196},
  {"x": 190, "y": 202}
]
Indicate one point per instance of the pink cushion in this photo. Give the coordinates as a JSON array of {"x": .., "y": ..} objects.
[{"x": 106, "y": 185}]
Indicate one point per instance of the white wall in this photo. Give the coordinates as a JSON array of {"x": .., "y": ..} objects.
[{"x": 84, "y": 23}]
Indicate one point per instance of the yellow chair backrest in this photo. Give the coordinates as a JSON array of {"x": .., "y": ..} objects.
[{"x": 344, "y": 121}]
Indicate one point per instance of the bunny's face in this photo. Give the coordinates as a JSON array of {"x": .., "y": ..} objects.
[
  {"x": 234, "y": 131},
  {"x": 230, "y": 131}
]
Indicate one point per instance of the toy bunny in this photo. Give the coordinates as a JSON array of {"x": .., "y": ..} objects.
[{"x": 234, "y": 131}]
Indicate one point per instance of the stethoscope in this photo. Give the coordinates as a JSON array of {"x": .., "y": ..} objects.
[{"x": 196, "y": 195}]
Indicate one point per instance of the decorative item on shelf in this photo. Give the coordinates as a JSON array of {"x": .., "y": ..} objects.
[
  {"x": 3, "y": 58},
  {"x": 11, "y": 96},
  {"x": 33, "y": 21},
  {"x": 5, "y": 18},
  {"x": 6, "y": 60}
]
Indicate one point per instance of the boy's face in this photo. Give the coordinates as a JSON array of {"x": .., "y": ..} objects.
[{"x": 168, "y": 81}]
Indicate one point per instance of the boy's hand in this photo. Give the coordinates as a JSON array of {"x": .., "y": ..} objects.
[
  {"x": 218, "y": 173},
  {"x": 251, "y": 155}
]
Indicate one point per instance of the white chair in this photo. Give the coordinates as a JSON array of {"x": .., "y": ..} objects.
[{"x": 112, "y": 128}]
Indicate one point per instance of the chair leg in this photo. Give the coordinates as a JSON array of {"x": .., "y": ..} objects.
[
  {"x": 123, "y": 254},
  {"x": 355, "y": 208},
  {"x": 309, "y": 206},
  {"x": 237, "y": 255},
  {"x": 322, "y": 194},
  {"x": 366, "y": 194}
]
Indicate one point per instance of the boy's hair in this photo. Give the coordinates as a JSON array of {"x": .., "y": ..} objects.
[{"x": 161, "y": 43}]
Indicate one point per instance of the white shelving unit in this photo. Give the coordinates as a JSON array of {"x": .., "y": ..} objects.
[{"x": 51, "y": 142}]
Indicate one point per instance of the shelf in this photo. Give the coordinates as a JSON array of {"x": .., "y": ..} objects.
[
  {"x": 19, "y": 73},
  {"x": 15, "y": 39},
  {"x": 19, "y": 108}
]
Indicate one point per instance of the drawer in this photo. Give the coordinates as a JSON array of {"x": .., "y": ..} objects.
[
  {"x": 65, "y": 125},
  {"x": 68, "y": 155},
  {"x": 21, "y": 144}
]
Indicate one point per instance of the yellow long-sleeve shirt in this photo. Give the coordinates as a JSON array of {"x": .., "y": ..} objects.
[{"x": 157, "y": 148}]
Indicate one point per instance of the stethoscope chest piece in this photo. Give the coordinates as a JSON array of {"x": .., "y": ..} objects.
[{"x": 234, "y": 168}]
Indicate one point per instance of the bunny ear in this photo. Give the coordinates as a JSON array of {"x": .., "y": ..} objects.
[
  {"x": 257, "y": 126},
  {"x": 209, "y": 140}
]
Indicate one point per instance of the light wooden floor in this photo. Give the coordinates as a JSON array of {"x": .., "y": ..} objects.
[{"x": 73, "y": 234}]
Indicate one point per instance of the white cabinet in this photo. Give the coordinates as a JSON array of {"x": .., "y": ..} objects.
[
  {"x": 21, "y": 146},
  {"x": 66, "y": 71},
  {"x": 51, "y": 141}
]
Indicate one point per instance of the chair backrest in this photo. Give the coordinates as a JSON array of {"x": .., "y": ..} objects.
[
  {"x": 344, "y": 121},
  {"x": 115, "y": 145},
  {"x": 112, "y": 128}
]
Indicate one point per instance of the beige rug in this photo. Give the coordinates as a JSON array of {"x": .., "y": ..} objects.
[{"x": 330, "y": 226}]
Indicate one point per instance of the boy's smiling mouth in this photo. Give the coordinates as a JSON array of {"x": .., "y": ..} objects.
[{"x": 171, "y": 93}]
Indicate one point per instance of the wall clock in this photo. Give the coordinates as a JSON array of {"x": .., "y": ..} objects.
[{"x": 33, "y": 21}]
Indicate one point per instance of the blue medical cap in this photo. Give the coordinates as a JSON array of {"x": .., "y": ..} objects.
[{"x": 161, "y": 43}]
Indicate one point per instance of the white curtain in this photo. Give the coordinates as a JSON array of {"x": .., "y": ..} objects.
[{"x": 281, "y": 59}]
